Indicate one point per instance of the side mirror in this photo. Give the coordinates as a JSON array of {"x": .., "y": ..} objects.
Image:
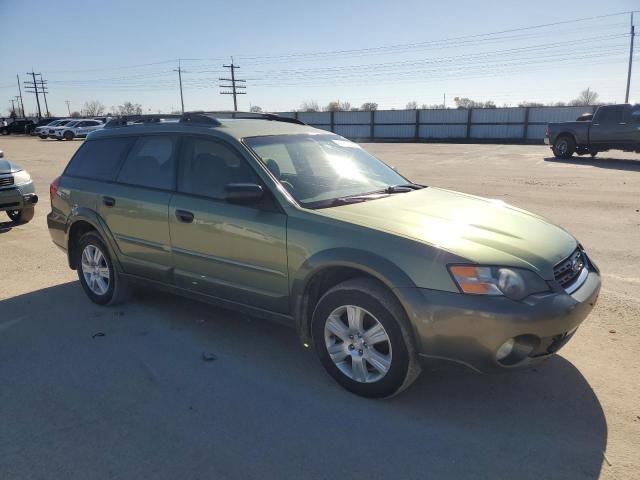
[{"x": 243, "y": 192}]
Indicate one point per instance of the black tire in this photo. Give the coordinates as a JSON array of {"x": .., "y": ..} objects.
[
  {"x": 68, "y": 135},
  {"x": 4, "y": 131},
  {"x": 21, "y": 216},
  {"x": 593, "y": 153},
  {"x": 43, "y": 137},
  {"x": 118, "y": 290},
  {"x": 376, "y": 299},
  {"x": 564, "y": 146}
]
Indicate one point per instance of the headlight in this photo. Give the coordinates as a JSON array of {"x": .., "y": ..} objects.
[
  {"x": 21, "y": 177},
  {"x": 515, "y": 283}
]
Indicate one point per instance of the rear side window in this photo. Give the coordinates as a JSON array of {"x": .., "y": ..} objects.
[
  {"x": 151, "y": 163},
  {"x": 99, "y": 159}
]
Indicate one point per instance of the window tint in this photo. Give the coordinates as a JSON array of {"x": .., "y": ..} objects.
[
  {"x": 206, "y": 167},
  {"x": 150, "y": 163},
  {"x": 99, "y": 159},
  {"x": 635, "y": 114},
  {"x": 610, "y": 114}
]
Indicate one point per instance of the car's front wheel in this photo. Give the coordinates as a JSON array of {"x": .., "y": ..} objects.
[
  {"x": 361, "y": 335},
  {"x": 68, "y": 135},
  {"x": 98, "y": 276}
]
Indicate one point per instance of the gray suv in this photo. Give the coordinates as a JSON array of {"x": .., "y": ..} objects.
[{"x": 17, "y": 192}]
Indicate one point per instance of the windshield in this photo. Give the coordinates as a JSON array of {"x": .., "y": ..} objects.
[{"x": 318, "y": 168}]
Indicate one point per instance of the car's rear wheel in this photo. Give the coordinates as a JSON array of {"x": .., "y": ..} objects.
[
  {"x": 98, "y": 276},
  {"x": 68, "y": 135},
  {"x": 564, "y": 147},
  {"x": 42, "y": 136},
  {"x": 21, "y": 216},
  {"x": 361, "y": 336},
  {"x": 4, "y": 131}
]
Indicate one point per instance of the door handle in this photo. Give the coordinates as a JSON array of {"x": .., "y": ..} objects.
[
  {"x": 184, "y": 216},
  {"x": 108, "y": 201}
]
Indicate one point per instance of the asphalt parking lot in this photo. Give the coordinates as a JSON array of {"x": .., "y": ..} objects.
[{"x": 140, "y": 401}]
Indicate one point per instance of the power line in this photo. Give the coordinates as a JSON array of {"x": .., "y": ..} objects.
[{"x": 234, "y": 87}]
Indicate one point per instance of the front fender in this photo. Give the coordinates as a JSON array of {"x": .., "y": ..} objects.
[{"x": 369, "y": 263}]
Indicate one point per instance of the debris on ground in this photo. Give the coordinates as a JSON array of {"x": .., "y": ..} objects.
[{"x": 209, "y": 357}]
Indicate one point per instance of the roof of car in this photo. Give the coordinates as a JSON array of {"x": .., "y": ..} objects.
[{"x": 235, "y": 128}]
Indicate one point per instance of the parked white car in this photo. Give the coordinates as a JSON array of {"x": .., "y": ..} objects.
[
  {"x": 76, "y": 129},
  {"x": 43, "y": 130}
]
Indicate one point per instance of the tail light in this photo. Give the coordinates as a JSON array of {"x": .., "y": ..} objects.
[{"x": 53, "y": 188}]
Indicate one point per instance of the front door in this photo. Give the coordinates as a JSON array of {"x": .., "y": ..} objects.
[{"x": 230, "y": 251}]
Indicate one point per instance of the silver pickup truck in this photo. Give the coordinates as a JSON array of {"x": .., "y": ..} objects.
[{"x": 613, "y": 127}]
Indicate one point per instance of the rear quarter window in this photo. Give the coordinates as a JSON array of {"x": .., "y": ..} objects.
[{"x": 99, "y": 159}]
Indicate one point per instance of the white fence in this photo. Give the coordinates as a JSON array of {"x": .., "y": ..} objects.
[{"x": 525, "y": 124}]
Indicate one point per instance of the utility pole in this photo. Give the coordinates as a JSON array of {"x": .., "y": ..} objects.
[
  {"x": 444, "y": 100},
  {"x": 43, "y": 89},
  {"x": 180, "y": 79},
  {"x": 234, "y": 87},
  {"x": 34, "y": 85},
  {"x": 20, "y": 92},
  {"x": 13, "y": 107},
  {"x": 626, "y": 97},
  {"x": 68, "y": 107}
]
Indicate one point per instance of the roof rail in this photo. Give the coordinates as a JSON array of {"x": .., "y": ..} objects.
[
  {"x": 274, "y": 117},
  {"x": 201, "y": 117}
]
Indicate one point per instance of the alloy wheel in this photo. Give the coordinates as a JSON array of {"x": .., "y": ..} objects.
[
  {"x": 95, "y": 270},
  {"x": 358, "y": 344}
]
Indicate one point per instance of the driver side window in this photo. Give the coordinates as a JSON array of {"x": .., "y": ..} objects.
[{"x": 206, "y": 167}]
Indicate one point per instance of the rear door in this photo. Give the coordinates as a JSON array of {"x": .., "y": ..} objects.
[
  {"x": 608, "y": 128},
  {"x": 135, "y": 206},
  {"x": 235, "y": 252}
]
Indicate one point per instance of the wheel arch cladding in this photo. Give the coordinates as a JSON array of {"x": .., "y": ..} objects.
[
  {"x": 327, "y": 268},
  {"x": 81, "y": 221}
]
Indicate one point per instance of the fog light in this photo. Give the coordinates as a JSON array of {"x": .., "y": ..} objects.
[{"x": 505, "y": 349}]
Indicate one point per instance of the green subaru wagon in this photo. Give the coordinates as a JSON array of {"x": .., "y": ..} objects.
[{"x": 295, "y": 224}]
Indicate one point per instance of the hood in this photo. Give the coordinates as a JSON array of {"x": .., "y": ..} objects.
[
  {"x": 8, "y": 167},
  {"x": 481, "y": 230}
]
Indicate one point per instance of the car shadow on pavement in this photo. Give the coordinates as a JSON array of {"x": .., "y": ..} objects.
[
  {"x": 603, "y": 162},
  {"x": 178, "y": 389}
]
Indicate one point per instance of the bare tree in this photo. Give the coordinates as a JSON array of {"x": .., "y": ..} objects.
[
  {"x": 369, "y": 106},
  {"x": 93, "y": 109},
  {"x": 530, "y": 104},
  {"x": 75, "y": 115},
  {"x": 586, "y": 97},
  {"x": 337, "y": 106},
  {"x": 128, "y": 108},
  {"x": 255, "y": 109},
  {"x": 463, "y": 102},
  {"x": 412, "y": 105},
  {"x": 310, "y": 106}
]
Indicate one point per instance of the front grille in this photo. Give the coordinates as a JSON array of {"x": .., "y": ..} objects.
[
  {"x": 568, "y": 271},
  {"x": 6, "y": 181}
]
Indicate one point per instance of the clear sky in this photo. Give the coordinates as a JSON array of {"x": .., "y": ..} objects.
[{"x": 389, "y": 52}]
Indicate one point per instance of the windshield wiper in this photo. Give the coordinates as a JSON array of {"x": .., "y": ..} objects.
[
  {"x": 403, "y": 187},
  {"x": 335, "y": 202}
]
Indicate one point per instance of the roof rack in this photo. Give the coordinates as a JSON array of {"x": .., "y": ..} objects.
[{"x": 201, "y": 117}]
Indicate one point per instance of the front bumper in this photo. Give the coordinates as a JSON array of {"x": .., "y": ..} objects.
[
  {"x": 469, "y": 329},
  {"x": 18, "y": 198}
]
